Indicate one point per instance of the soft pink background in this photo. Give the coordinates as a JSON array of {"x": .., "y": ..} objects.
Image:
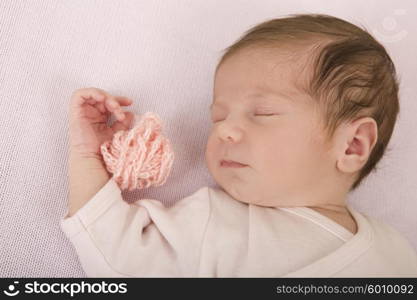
[{"x": 162, "y": 54}]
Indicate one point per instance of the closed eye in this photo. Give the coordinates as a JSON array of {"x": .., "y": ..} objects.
[
  {"x": 256, "y": 115},
  {"x": 264, "y": 114}
]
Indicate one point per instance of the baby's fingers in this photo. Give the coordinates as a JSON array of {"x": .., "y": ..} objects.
[
  {"x": 89, "y": 95},
  {"x": 113, "y": 104},
  {"x": 101, "y": 99},
  {"x": 125, "y": 124},
  {"x": 79, "y": 98}
]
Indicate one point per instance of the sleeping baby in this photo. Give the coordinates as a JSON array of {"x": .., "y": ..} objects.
[{"x": 303, "y": 109}]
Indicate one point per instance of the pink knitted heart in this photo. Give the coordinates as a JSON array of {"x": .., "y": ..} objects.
[{"x": 139, "y": 157}]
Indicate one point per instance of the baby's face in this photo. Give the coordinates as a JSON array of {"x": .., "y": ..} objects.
[{"x": 260, "y": 119}]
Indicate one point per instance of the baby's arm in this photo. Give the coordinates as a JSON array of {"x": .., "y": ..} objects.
[
  {"x": 143, "y": 239},
  {"x": 110, "y": 236},
  {"x": 87, "y": 175},
  {"x": 89, "y": 111}
]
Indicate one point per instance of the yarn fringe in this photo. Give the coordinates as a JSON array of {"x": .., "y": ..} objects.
[{"x": 140, "y": 157}]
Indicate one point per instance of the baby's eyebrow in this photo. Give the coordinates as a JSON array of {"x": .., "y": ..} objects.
[
  {"x": 276, "y": 95},
  {"x": 272, "y": 98}
]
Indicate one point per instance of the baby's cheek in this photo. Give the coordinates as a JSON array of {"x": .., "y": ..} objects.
[{"x": 210, "y": 152}]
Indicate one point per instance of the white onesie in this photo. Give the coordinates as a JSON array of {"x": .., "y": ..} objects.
[{"x": 210, "y": 234}]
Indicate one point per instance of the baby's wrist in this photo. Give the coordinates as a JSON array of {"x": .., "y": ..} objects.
[
  {"x": 80, "y": 154},
  {"x": 87, "y": 175}
]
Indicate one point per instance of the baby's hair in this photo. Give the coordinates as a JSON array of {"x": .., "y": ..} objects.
[{"x": 353, "y": 74}]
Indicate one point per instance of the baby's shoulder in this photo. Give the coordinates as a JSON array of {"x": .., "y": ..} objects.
[{"x": 385, "y": 235}]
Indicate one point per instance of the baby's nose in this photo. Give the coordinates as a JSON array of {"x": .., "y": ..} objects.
[{"x": 229, "y": 133}]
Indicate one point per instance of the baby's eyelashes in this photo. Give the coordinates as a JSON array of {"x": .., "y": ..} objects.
[{"x": 264, "y": 114}]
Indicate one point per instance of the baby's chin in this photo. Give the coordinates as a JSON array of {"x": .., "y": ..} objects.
[
  {"x": 237, "y": 193},
  {"x": 258, "y": 202}
]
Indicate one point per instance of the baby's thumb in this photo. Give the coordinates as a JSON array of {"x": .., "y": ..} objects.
[{"x": 125, "y": 124}]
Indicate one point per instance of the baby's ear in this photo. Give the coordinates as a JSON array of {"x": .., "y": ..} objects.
[{"x": 357, "y": 140}]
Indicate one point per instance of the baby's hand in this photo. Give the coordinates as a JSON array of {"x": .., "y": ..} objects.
[{"x": 90, "y": 109}]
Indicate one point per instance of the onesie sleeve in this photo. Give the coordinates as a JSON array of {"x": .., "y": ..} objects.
[{"x": 113, "y": 238}]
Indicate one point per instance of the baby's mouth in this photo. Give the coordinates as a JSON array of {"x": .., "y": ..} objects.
[{"x": 231, "y": 164}]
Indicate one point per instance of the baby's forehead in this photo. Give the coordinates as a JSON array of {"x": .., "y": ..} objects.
[
  {"x": 263, "y": 70},
  {"x": 286, "y": 59},
  {"x": 294, "y": 52}
]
